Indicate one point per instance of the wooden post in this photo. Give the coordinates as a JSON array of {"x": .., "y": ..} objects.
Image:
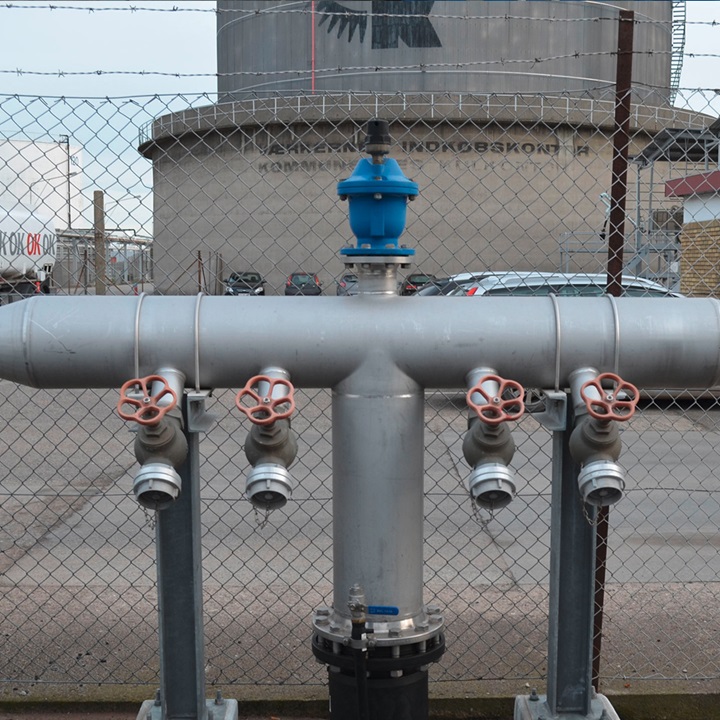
[{"x": 99, "y": 226}]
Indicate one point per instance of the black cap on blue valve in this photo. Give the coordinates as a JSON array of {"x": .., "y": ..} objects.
[{"x": 377, "y": 140}]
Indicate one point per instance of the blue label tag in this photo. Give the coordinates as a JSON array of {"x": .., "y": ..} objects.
[{"x": 383, "y": 610}]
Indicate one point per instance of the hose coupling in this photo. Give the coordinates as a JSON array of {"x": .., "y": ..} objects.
[
  {"x": 488, "y": 445},
  {"x": 160, "y": 444},
  {"x": 268, "y": 400},
  {"x": 601, "y": 401}
]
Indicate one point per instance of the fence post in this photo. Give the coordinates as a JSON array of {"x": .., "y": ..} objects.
[
  {"x": 99, "y": 227},
  {"x": 621, "y": 144},
  {"x": 616, "y": 241},
  {"x": 200, "y": 272}
]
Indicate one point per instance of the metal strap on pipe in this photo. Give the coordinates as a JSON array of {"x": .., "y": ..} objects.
[
  {"x": 140, "y": 299},
  {"x": 616, "y": 320},
  {"x": 717, "y": 331},
  {"x": 25, "y": 332},
  {"x": 558, "y": 340},
  {"x": 197, "y": 340}
]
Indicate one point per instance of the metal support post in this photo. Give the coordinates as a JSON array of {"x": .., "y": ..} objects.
[
  {"x": 572, "y": 570},
  {"x": 180, "y": 603},
  {"x": 182, "y": 663},
  {"x": 570, "y": 694}
]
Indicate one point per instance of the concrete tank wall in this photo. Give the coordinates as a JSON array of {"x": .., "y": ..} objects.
[
  {"x": 511, "y": 154},
  {"x": 501, "y": 180},
  {"x": 471, "y": 46}
]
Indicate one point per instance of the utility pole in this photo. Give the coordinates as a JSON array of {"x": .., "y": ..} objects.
[
  {"x": 65, "y": 139},
  {"x": 99, "y": 226}
]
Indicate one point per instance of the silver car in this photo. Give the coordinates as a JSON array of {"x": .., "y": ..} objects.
[
  {"x": 518, "y": 283},
  {"x": 562, "y": 284}
]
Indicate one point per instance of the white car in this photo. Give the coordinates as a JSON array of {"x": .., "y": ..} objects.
[{"x": 562, "y": 284}]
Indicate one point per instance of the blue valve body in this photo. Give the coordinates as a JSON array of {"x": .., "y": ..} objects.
[{"x": 378, "y": 196}]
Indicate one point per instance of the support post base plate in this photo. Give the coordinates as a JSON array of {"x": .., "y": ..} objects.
[
  {"x": 226, "y": 710},
  {"x": 528, "y": 707}
]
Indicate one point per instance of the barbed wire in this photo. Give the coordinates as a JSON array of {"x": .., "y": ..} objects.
[
  {"x": 501, "y": 62},
  {"x": 186, "y": 96},
  {"x": 253, "y": 94},
  {"x": 330, "y": 13}
]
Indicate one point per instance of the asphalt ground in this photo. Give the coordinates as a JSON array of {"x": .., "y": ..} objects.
[{"x": 662, "y": 608}]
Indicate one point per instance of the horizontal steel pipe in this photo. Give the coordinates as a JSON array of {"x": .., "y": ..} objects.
[{"x": 219, "y": 342}]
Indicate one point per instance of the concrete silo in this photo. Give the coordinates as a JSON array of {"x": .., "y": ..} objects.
[{"x": 501, "y": 111}]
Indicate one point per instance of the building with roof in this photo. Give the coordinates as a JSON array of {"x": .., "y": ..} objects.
[{"x": 700, "y": 236}]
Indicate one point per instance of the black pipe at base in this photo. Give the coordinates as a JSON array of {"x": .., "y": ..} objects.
[{"x": 389, "y": 698}]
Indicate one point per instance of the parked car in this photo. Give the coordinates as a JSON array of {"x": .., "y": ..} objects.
[
  {"x": 469, "y": 277},
  {"x": 518, "y": 283},
  {"x": 414, "y": 282},
  {"x": 248, "y": 282},
  {"x": 303, "y": 283},
  {"x": 347, "y": 285},
  {"x": 561, "y": 284},
  {"x": 444, "y": 286}
]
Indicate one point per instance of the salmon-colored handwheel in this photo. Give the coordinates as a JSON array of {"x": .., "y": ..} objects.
[
  {"x": 146, "y": 407},
  {"x": 498, "y": 407},
  {"x": 262, "y": 409},
  {"x": 617, "y": 401}
]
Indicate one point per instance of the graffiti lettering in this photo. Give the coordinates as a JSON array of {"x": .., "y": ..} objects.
[
  {"x": 24, "y": 243},
  {"x": 49, "y": 242},
  {"x": 33, "y": 243},
  {"x": 11, "y": 243},
  {"x": 506, "y": 148}
]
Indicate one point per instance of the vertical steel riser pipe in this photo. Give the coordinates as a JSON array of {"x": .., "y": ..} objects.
[{"x": 378, "y": 492}]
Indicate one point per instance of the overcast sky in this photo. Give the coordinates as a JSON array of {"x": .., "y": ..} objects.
[
  {"x": 78, "y": 40},
  {"x": 182, "y": 42},
  {"x": 105, "y": 133}
]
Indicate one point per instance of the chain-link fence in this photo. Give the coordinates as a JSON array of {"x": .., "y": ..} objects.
[{"x": 194, "y": 191}]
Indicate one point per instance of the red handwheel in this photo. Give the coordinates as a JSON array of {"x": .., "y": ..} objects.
[
  {"x": 263, "y": 409},
  {"x": 615, "y": 403},
  {"x": 146, "y": 409},
  {"x": 506, "y": 404}
]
